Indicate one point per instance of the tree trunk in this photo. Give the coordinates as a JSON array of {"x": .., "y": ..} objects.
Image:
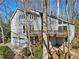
[
  {"x": 58, "y": 8},
  {"x": 72, "y": 9},
  {"x": 45, "y": 43},
  {"x": 68, "y": 29},
  {"x": 2, "y": 34},
  {"x": 27, "y": 26}
]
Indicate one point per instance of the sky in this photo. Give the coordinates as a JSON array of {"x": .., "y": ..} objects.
[
  {"x": 7, "y": 6},
  {"x": 11, "y": 6}
]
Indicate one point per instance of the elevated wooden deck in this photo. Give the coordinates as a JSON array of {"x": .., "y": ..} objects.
[{"x": 50, "y": 33}]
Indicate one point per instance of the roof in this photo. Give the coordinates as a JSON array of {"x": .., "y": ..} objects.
[
  {"x": 13, "y": 15},
  {"x": 33, "y": 12},
  {"x": 58, "y": 18},
  {"x": 38, "y": 14}
]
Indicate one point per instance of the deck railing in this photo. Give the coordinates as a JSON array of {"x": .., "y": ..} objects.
[{"x": 50, "y": 32}]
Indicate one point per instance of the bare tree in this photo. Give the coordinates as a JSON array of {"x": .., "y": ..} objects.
[
  {"x": 58, "y": 8},
  {"x": 1, "y": 3},
  {"x": 2, "y": 32},
  {"x": 27, "y": 25},
  {"x": 68, "y": 30},
  {"x": 45, "y": 27},
  {"x": 72, "y": 10}
]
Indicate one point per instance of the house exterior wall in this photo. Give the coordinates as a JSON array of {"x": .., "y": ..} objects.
[
  {"x": 72, "y": 32},
  {"x": 37, "y": 24},
  {"x": 52, "y": 42},
  {"x": 59, "y": 40},
  {"x": 18, "y": 38},
  {"x": 52, "y": 24}
]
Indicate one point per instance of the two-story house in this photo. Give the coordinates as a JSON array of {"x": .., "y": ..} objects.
[{"x": 57, "y": 28}]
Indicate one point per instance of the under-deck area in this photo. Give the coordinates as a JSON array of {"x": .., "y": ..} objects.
[{"x": 55, "y": 38}]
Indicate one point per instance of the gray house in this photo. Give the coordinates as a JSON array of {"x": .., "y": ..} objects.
[{"x": 57, "y": 28}]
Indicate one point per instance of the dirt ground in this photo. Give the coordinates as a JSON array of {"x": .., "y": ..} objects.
[{"x": 75, "y": 54}]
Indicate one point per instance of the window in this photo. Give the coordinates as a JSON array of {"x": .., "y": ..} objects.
[
  {"x": 52, "y": 22},
  {"x": 60, "y": 29},
  {"x": 22, "y": 16},
  {"x": 23, "y": 29},
  {"x": 31, "y": 27},
  {"x": 65, "y": 28},
  {"x": 59, "y": 21},
  {"x": 64, "y": 22},
  {"x": 30, "y": 16},
  {"x": 0, "y": 29},
  {"x": 66, "y": 39},
  {"x": 21, "y": 38},
  {"x": 15, "y": 37},
  {"x": 35, "y": 17}
]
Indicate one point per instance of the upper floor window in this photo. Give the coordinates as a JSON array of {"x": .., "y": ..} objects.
[
  {"x": 22, "y": 16},
  {"x": 31, "y": 16},
  {"x": 15, "y": 37},
  {"x": 31, "y": 27},
  {"x": 64, "y": 22},
  {"x": 59, "y": 21},
  {"x": 52, "y": 21},
  {"x": 23, "y": 29},
  {"x": 35, "y": 17}
]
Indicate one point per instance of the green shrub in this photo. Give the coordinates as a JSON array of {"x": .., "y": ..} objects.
[
  {"x": 49, "y": 58},
  {"x": 60, "y": 52},
  {"x": 38, "y": 53},
  {"x": 76, "y": 45},
  {"x": 25, "y": 51},
  {"x": 6, "y": 52}
]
